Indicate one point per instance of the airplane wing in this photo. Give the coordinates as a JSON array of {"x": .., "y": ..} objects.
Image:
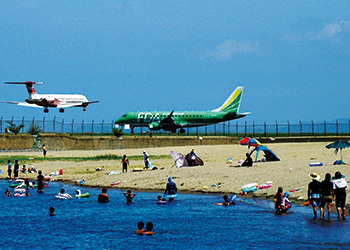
[
  {"x": 23, "y": 104},
  {"x": 168, "y": 123},
  {"x": 70, "y": 105}
]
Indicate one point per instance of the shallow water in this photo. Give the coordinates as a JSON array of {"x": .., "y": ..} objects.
[{"x": 191, "y": 222}]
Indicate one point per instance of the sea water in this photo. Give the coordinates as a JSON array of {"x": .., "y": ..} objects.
[{"x": 190, "y": 222}]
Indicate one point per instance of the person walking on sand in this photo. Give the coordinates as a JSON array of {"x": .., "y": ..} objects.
[
  {"x": 125, "y": 163},
  {"x": 326, "y": 195},
  {"x": 44, "y": 150},
  {"x": 9, "y": 169},
  {"x": 146, "y": 159},
  {"x": 314, "y": 192},
  {"x": 339, "y": 191}
]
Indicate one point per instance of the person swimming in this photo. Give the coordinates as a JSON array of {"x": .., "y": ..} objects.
[
  {"x": 8, "y": 192},
  {"x": 140, "y": 226},
  {"x": 52, "y": 210}
]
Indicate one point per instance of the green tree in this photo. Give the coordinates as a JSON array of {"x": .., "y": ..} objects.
[
  {"x": 34, "y": 129},
  {"x": 118, "y": 132},
  {"x": 14, "y": 128}
]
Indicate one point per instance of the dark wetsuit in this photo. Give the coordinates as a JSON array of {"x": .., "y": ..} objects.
[{"x": 171, "y": 188}]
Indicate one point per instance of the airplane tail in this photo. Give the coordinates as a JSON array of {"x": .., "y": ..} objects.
[
  {"x": 233, "y": 102},
  {"x": 29, "y": 85}
]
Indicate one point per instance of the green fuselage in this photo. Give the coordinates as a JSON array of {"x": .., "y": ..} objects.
[{"x": 179, "y": 119}]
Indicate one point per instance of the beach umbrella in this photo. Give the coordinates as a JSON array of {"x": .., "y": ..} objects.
[
  {"x": 249, "y": 141},
  {"x": 340, "y": 144}
]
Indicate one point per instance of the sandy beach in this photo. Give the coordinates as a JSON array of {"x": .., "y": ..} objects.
[{"x": 291, "y": 173}]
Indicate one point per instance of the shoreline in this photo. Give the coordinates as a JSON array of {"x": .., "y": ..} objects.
[{"x": 215, "y": 177}]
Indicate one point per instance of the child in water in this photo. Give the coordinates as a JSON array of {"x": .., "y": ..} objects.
[
  {"x": 278, "y": 198},
  {"x": 129, "y": 196},
  {"x": 160, "y": 200},
  {"x": 227, "y": 202},
  {"x": 8, "y": 192},
  {"x": 285, "y": 202}
]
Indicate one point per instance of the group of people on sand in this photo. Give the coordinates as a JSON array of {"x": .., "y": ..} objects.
[
  {"x": 321, "y": 194},
  {"x": 16, "y": 170}
]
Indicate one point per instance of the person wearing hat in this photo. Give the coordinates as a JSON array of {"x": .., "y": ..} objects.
[
  {"x": 339, "y": 186},
  {"x": 314, "y": 192},
  {"x": 193, "y": 156}
]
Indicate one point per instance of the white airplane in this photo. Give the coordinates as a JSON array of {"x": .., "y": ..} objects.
[{"x": 46, "y": 101}]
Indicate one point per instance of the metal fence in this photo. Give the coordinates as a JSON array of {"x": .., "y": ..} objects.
[{"x": 226, "y": 128}]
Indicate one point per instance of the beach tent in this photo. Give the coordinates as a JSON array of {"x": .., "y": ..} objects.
[
  {"x": 180, "y": 160},
  {"x": 198, "y": 161},
  {"x": 269, "y": 155}
]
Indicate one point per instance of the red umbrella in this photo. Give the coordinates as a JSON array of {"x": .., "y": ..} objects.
[{"x": 249, "y": 141}]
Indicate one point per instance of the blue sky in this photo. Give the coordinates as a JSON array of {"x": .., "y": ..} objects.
[{"x": 292, "y": 57}]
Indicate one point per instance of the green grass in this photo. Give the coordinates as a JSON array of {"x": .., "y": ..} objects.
[{"x": 24, "y": 159}]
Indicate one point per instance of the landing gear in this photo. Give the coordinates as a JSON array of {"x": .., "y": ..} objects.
[
  {"x": 61, "y": 110},
  {"x": 173, "y": 131},
  {"x": 182, "y": 130},
  {"x": 132, "y": 130},
  {"x": 84, "y": 109},
  {"x": 46, "y": 110}
]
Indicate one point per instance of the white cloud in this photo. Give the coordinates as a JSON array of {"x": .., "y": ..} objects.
[
  {"x": 331, "y": 30},
  {"x": 231, "y": 48}
]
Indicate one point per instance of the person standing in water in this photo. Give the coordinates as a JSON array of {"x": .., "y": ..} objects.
[
  {"x": 171, "y": 188},
  {"x": 326, "y": 195},
  {"x": 40, "y": 179},
  {"x": 125, "y": 163},
  {"x": 129, "y": 196},
  {"x": 339, "y": 191},
  {"x": 314, "y": 192},
  {"x": 103, "y": 197}
]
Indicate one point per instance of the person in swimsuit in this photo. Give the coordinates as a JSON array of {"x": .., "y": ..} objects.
[
  {"x": 326, "y": 195},
  {"x": 339, "y": 191},
  {"x": 103, "y": 197},
  {"x": 129, "y": 196},
  {"x": 40, "y": 179},
  {"x": 9, "y": 170},
  {"x": 16, "y": 170},
  {"x": 314, "y": 192},
  {"x": 125, "y": 163}
]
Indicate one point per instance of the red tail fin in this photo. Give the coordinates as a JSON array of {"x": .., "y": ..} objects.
[{"x": 30, "y": 88}]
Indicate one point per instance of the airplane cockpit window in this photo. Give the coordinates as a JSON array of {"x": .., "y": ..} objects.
[{"x": 124, "y": 115}]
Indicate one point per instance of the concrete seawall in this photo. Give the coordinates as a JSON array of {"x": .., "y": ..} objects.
[{"x": 95, "y": 142}]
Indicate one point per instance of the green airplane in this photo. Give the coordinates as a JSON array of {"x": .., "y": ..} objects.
[{"x": 173, "y": 120}]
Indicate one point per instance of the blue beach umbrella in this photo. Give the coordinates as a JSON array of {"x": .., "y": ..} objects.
[{"x": 340, "y": 144}]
